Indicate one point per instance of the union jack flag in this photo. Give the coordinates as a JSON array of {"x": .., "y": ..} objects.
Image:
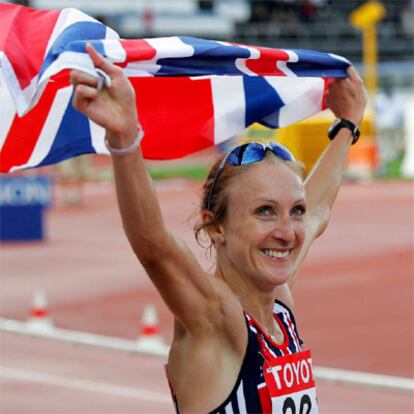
[{"x": 191, "y": 93}]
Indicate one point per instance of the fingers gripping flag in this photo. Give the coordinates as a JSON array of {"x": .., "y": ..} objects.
[{"x": 191, "y": 93}]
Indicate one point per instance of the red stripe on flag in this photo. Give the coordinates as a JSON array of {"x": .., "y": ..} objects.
[
  {"x": 266, "y": 63},
  {"x": 24, "y": 132},
  {"x": 136, "y": 50},
  {"x": 326, "y": 82},
  {"x": 24, "y": 35},
  {"x": 177, "y": 115}
]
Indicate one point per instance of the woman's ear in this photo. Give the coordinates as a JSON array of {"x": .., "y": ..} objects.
[{"x": 215, "y": 230}]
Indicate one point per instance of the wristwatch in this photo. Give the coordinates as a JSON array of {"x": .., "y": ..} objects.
[{"x": 344, "y": 123}]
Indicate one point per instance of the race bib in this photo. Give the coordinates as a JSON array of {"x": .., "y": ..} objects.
[{"x": 290, "y": 384}]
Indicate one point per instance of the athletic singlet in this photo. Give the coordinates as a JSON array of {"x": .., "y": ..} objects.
[{"x": 273, "y": 378}]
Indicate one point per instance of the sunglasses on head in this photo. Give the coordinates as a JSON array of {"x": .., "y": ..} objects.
[{"x": 248, "y": 154}]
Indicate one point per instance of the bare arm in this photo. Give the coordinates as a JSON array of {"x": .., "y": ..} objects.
[
  {"x": 188, "y": 291},
  {"x": 347, "y": 99}
]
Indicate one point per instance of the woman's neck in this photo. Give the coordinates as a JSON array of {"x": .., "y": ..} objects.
[{"x": 257, "y": 302}]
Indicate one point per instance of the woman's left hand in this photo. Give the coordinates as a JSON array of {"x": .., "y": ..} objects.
[{"x": 347, "y": 97}]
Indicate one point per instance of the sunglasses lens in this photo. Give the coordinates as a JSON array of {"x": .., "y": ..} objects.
[
  {"x": 281, "y": 152},
  {"x": 246, "y": 154},
  {"x": 254, "y": 152}
]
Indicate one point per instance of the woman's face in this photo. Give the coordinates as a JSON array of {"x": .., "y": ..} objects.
[{"x": 264, "y": 229}]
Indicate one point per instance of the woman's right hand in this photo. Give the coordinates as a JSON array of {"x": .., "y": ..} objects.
[{"x": 113, "y": 107}]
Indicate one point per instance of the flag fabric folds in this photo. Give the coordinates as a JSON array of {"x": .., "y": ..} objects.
[{"x": 191, "y": 93}]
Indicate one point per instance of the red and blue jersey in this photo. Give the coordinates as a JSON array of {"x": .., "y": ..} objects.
[{"x": 274, "y": 378}]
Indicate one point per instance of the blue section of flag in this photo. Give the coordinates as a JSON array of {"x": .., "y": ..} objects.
[
  {"x": 262, "y": 101},
  {"x": 209, "y": 57},
  {"x": 73, "y": 39},
  {"x": 72, "y": 138},
  {"x": 314, "y": 63}
]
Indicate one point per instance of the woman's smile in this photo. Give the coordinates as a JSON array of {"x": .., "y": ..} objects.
[{"x": 276, "y": 254}]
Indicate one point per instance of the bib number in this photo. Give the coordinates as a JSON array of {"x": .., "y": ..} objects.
[
  {"x": 290, "y": 384},
  {"x": 305, "y": 407},
  {"x": 303, "y": 402}
]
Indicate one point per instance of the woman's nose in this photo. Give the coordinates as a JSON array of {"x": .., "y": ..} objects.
[{"x": 284, "y": 230}]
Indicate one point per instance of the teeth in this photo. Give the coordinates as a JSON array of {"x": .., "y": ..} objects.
[{"x": 275, "y": 253}]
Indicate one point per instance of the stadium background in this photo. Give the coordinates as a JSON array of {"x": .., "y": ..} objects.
[{"x": 355, "y": 296}]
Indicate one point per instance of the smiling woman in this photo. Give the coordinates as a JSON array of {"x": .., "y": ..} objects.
[
  {"x": 236, "y": 346},
  {"x": 214, "y": 197},
  {"x": 262, "y": 234}
]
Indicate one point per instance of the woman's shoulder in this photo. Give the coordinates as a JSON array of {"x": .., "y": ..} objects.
[
  {"x": 202, "y": 370},
  {"x": 221, "y": 325}
]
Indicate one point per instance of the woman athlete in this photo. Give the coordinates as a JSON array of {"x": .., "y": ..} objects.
[{"x": 236, "y": 347}]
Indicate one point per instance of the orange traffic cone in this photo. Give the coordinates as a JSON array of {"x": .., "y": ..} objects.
[
  {"x": 149, "y": 339},
  {"x": 39, "y": 319},
  {"x": 363, "y": 160}
]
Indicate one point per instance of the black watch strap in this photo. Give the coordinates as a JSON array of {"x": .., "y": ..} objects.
[{"x": 344, "y": 123}]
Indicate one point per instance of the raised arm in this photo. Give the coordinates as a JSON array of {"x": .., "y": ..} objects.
[
  {"x": 347, "y": 99},
  {"x": 170, "y": 265}
]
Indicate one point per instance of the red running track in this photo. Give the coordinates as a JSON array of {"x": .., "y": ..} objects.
[{"x": 354, "y": 301}]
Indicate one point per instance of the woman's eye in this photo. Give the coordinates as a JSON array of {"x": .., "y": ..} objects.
[
  {"x": 265, "y": 211},
  {"x": 298, "y": 210}
]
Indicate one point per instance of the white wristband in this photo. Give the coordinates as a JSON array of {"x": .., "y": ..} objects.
[{"x": 127, "y": 150}]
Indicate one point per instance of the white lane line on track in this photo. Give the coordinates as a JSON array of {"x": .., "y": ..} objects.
[
  {"x": 363, "y": 378},
  {"x": 84, "y": 385},
  {"x": 161, "y": 350}
]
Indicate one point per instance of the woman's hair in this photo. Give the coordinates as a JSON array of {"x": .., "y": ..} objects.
[{"x": 218, "y": 198}]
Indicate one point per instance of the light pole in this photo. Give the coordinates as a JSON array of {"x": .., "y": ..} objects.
[{"x": 365, "y": 18}]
